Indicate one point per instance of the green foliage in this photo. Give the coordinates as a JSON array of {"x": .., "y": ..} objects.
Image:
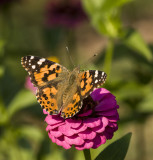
[
  {"x": 135, "y": 41},
  {"x": 105, "y": 16},
  {"x": 19, "y": 103},
  {"x": 126, "y": 59},
  {"x": 117, "y": 150}
]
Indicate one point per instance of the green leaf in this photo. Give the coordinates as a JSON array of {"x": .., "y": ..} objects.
[
  {"x": 111, "y": 4},
  {"x": 105, "y": 15},
  {"x": 23, "y": 99},
  {"x": 135, "y": 41},
  {"x": 117, "y": 150}
]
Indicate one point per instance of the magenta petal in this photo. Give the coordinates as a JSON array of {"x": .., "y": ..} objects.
[
  {"x": 106, "y": 104},
  {"x": 111, "y": 112},
  {"x": 81, "y": 128},
  {"x": 74, "y": 140},
  {"x": 101, "y": 128},
  {"x": 85, "y": 114},
  {"x": 66, "y": 130},
  {"x": 55, "y": 133},
  {"x": 87, "y": 145},
  {"x": 114, "y": 118},
  {"x": 52, "y": 137},
  {"x": 99, "y": 94},
  {"x": 73, "y": 123},
  {"x": 61, "y": 142},
  {"x": 45, "y": 112},
  {"x": 29, "y": 85},
  {"x": 92, "y": 122},
  {"x": 87, "y": 134},
  {"x": 52, "y": 120},
  {"x": 99, "y": 140},
  {"x": 49, "y": 127}
]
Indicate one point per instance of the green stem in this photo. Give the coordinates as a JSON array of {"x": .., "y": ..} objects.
[
  {"x": 87, "y": 154},
  {"x": 109, "y": 57}
]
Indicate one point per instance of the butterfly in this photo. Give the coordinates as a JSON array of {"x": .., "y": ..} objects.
[{"x": 58, "y": 89}]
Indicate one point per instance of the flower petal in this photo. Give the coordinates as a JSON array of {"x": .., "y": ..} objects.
[
  {"x": 99, "y": 140},
  {"x": 102, "y": 126},
  {"x": 81, "y": 128},
  {"x": 49, "y": 127},
  {"x": 111, "y": 112},
  {"x": 92, "y": 122},
  {"x": 87, "y": 145},
  {"x": 99, "y": 93},
  {"x": 89, "y": 112},
  {"x": 55, "y": 132},
  {"x": 52, "y": 120},
  {"x": 76, "y": 140},
  {"x": 87, "y": 134},
  {"x": 61, "y": 142},
  {"x": 106, "y": 104},
  {"x": 66, "y": 130},
  {"x": 73, "y": 123}
]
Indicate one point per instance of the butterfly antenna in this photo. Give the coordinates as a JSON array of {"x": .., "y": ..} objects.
[
  {"x": 86, "y": 63},
  {"x": 70, "y": 56}
]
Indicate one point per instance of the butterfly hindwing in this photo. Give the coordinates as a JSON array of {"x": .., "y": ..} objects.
[
  {"x": 91, "y": 79},
  {"x": 73, "y": 106},
  {"x": 47, "y": 97}
]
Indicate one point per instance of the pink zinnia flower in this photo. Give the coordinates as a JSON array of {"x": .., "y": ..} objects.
[
  {"x": 29, "y": 85},
  {"x": 96, "y": 122}
]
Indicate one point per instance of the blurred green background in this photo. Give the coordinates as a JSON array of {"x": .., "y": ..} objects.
[{"x": 120, "y": 31}]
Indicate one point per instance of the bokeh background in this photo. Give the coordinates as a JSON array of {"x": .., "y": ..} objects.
[{"x": 120, "y": 32}]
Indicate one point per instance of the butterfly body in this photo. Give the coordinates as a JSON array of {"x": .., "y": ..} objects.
[{"x": 58, "y": 89}]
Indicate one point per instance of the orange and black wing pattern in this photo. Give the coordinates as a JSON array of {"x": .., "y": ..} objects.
[
  {"x": 47, "y": 97},
  {"x": 45, "y": 75},
  {"x": 41, "y": 70},
  {"x": 90, "y": 80},
  {"x": 73, "y": 106}
]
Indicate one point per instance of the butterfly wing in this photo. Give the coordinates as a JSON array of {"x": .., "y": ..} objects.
[
  {"x": 91, "y": 79},
  {"x": 45, "y": 75},
  {"x": 87, "y": 81},
  {"x": 41, "y": 70},
  {"x": 72, "y": 106}
]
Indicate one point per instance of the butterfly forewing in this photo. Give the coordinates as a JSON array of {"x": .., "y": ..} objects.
[
  {"x": 91, "y": 79},
  {"x": 41, "y": 70},
  {"x": 47, "y": 97}
]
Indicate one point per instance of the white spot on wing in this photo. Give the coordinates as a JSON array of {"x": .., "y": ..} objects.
[
  {"x": 33, "y": 66},
  {"x": 96, "y": 81},
  {"x": 32, "y": 57},
  {"x": 96, "y": 73},
  {"x": 41, "y": 61},
  {"x": 103, "y": 73}
]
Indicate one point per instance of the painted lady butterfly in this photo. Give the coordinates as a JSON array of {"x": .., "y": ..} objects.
[{"x": 58, "y": 89}]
